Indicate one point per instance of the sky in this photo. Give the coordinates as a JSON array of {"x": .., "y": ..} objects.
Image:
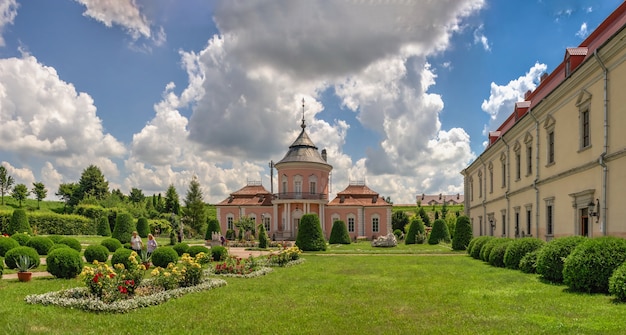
[{"x": 400, "y": 93}]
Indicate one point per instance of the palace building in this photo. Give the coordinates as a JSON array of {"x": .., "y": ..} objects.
[
  {"x": 557, "y": 166},
  {"x": 303, "y": 177}
]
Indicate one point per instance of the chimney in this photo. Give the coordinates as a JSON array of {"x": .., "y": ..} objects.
[{"x": 324, "y": 157}]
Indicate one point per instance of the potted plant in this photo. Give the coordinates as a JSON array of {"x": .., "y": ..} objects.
[
  {"x": 24, "y": 265},
  {"x": 145, "y": 258}
]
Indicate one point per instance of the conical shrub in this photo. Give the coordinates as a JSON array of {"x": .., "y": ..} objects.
[{"x": 339, "y": 233}]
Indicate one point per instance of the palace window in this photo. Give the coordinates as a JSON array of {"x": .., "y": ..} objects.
[
  {"x": 313, "y": 184},
  {"x": 529, "y": 160},
  {"x": 375, "y": 224},
  {"x": 480, "y": 184},
  {"x": 518, "y": 165},
  {"x": 297, "y": 185},
  {"x": 490, "y": 178},
  {"x": 528, "y": 220},
  {"x": 351, "y": 225},
  {"x": 551, "y": 147},
  {"x": 266, "y": 222},
  {"x": 230, "y": 222},
  {"x": 284, "y": 184},
  {"x": 585, "y": 140},
  {"x": 549, "y": 216}
]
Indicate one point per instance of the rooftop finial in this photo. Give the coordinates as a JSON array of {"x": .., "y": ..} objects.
[{"x": 303, "y": 125}]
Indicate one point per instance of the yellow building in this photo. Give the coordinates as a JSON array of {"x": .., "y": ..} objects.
[{"x": 557, "y": 166}]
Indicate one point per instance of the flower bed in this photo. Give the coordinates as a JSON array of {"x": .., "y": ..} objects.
[{"x": 284, "y": 256}]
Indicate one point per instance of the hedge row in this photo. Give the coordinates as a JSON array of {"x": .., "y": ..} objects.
[{"x": 50, "y": 223}]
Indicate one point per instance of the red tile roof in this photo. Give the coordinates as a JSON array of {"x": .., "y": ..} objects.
[{"x": 249, "y": 195}]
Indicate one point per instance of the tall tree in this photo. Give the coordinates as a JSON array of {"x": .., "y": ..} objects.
[
  {"x": 136, "y": 196},
  {"x": 172, "y": 202},
  {"x": 40, "y": 192},
  {"x": 67, "y": 193},
  {"x": 20, "y": 193},
  {"x": 92, "y": 183},
  {"x": 6, "y": 182},
  {"x": 194, "y": 205},
  {"x": 399, "y": 220}
]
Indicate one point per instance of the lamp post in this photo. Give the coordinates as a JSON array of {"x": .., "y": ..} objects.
[{"x": 591, "y": 209}]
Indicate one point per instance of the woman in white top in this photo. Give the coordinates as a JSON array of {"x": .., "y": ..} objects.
[
  {"x": 135, "y": 243},
  {"x": 152, "y": 244}
]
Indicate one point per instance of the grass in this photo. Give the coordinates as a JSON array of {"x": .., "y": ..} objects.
[
  {"x": 337, "y": 294},
  {"x": 365, "y": 247}
]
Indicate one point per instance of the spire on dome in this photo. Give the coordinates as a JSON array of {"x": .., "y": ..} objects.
[{"x": 303, "y": 125}]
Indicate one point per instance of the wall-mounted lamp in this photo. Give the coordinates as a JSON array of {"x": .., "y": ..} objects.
[{"x": 591, "y": 208}]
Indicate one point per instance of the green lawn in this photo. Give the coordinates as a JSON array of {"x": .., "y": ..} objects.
[{"x": 341, "y": 294}]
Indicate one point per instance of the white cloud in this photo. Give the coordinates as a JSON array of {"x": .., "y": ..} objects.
[
  {"x": 22, "y": 175},
  {"x": 480, "y": 38},
  {"x": 583, "y": 31},
  {"x": 8, "y": 12}
]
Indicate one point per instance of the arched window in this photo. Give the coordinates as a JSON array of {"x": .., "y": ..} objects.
[
  {"x": 284, "y": 182},
  {"x": 335, "y": 217},
  {"x": 351, "y": 223},
  {"x": 313, "y": 184},
  {"x": 375, "y": 223},
  {"x": 297, "y": 185},
  {"x": 267, "y": 220},
  {"x": 230, "y": 221}
]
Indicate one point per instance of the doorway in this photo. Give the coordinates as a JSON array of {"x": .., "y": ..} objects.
[{"x": 583, "y": 228}]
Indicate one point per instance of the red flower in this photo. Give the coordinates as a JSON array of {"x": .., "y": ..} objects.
[
  {"x": 111, "y": 275},
  {"x": 122, "y": 289}
]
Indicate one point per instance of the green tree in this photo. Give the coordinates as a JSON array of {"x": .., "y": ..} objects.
[
  {"x": 20, "y": 193},
  {"x": 172, "y": 204},
  {"x": 439, "y": 233},
  {"x": 245, "y": 225},
  {"x": 339, "y": 233},
  {"x": 67, "y": 192},
  {"x": 40, "y": 192},
  {"x": 399, "y": 220},
  {"x": 124, "y": 227},
  {"x": 310, "y": 236},
  {"x": 263, "y": 238},
  {"x": 462, "y": 233},
  {"x": 143, "y": 227},
  {"x": 6, "y": 182},
  {"x": 92, "y": 183},
  {"x": 424, "y": 216},
  {"x": 212, "y": 226},
  {"x": 417, "y": 227},
  {"x": 136, "y": 196},
  {"x": 194, "y": 205},
  {"x": 19, "y": 223}
]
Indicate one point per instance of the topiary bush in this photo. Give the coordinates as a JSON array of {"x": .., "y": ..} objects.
[
  {"x": 462, "y": 233},
  {"x": 398, "y": 233},
  {"x": 479, "y": 242},
  {"x": 181, "y": 248},
  {"x": 163, "y": 256},
  {"x": 230, "y": 234},
  {"x": 439, "y": 233},
  {"x": 21, "y": 238},
  {"x": 591, "y": 264},
  {"x": 111, "y": 244},
  {"x": 19, "y": 223},
  {"x": 96, "y": 252},
  {"x": 7, "y": 244},
  {"x": 519, "y": 248},
  {"x": 416, "y": 228},
  {"x": 41, "y": 244},
  {"x": 120, "y": 256},
  {"x": 496, "y": 256},
  {"x": 485, "y": 251},
  {"x": 617, "y": 283},
  {"x": 56, "y": 238},
  {"x": 104, "y": 228},
  {"x": 72, "y": 243},
  {"x": 551, "y": 256},
  {"x": 263, "y": 238},
  {"x": 310, "y": 236},
  {"x": 143, "y": 229},
  {"x": 339, "y": 233},
  {"x": 10, "y": 258},
  {"x": 213, "y": 226},
  {"x": 218, "y": 253},
  {"x": 124, "y": 227},
  {"x": 528, "y": 263},
  {"x": 196, "y": 249},
  {"x": 64, "y": 263},
  {"x": 58, "y": 246}
]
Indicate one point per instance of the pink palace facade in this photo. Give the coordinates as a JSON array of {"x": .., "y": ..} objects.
[{"x": 303, "y": 177}]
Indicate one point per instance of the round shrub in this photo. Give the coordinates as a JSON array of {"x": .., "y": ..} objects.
[
  {"x": 485, "y": 251},
  {"x": 58, "y": 246},
  {"x": 550, "y": 257},
  {"x": 21, "y": 238},
  {"x": 121, "y": 255},
  {"x": 64, "y": 263},
  {"x": 218, "y": 253},
  {"x": 528, "y": 263},
  {"x": 143, "y": 229},
  {"x": 496, "y": 257},
  {"x": 181, "y": 248},
  {"x": 196, "y": 249},
  {"x": 416, "y": 228},
  {"x": 124, "y": 227},
  {"x": 7, "y": 244},
  {"x": 479, "y": 242},
  {"x": 96, "y": 253},
  {"x": 56, "y": 238},
  {"x": 10, "y": 258},
  {"x": 439, "y": 233},
  {"x": 19, "y": 223},
  {"x": 104, "y": 228},
  {"x": 163, "y": 256},
  {"x": 339, "y": 233},
  {"x": 591, "y": 264},
  {"x": 111, "y": 243},
  {"x": 617, "y": 283},
  {"x": 41, "y": 244},
  {"x": 398, "y": 233},
  {"x": 310, "y": 236},
  {"x": 519, "y": 248},
  {"x": 213, "y": 226},
  {"x": 72, "y": 243},
  {"x": 462, "y": 233}
]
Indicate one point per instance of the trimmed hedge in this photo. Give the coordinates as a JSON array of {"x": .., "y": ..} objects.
[
  {"x": 196, "y": 249},
  {"x": 56, "y": 238},
  {"x": 10, "y": 258},
  {"x": 550, "y": 258},
  {"x": 617, "y": 283},
  {"x": 40, "y": 243},
  {"x": 462, "y": 233},
  {"x": 111, "y": 243},
  {"x": 96, "y": 253},
  {"x": 64, "y": 263},
  {"x": 58, "y": 246},
  {"x": 496, "y": 257},
  {"x": 121, "y": 255},
  {"x": 143, "y": 229},
  {"x": 439, "y": 233},
  {"x": 212, "y": 226},
  {"x": 485, "y": 251},
  {"x": 72, "y": 243},
  {"x": 124, "y": 227},
  {"x": 104, "y": 229},
  {"x": 519, "y": 248},
  {"x": 591, "y": 264},
  {"x": 263, "y": 238},
  {"x": 528, "y": 263},
  {"x": 218, "y": 253},
  {"x": 50, "y": 223},
  {"x": 163, "y": 256},
  {"x": 181, "y": 248},
  {"x": 21, "y": 238},
  {"x": 479, "y": 242},
  {"x": 310, "y": 236},
  {"x": 339, "y": 233},
  {"x": 19, "y": 223},
  {"x": 7, "y": 244},
  {"x": 416, "y": 228}
]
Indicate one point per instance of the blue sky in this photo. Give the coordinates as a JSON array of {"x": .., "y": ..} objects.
[{"x": 400, "y": 93}]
